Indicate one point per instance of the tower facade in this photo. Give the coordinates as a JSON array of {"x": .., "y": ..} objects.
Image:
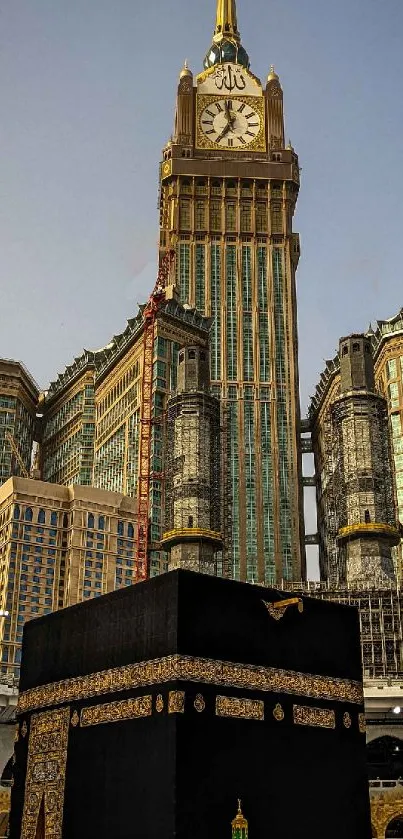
[
  {"x": 355, "y": 489},
  {"x": 18, "y": 405},
  {"x": 229, "y": 186},
  {"x": 92, "y": 414},
  {"x": 193, "y": 467},
  {"x": 387, "y": 341}
]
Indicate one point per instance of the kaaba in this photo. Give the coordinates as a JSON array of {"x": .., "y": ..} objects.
[{"x": 147, "y": 714}]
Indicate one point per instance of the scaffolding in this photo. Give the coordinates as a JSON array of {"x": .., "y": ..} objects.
[
  {"x": 380, "y": 613},
  {"x": 194, "y": 493}
]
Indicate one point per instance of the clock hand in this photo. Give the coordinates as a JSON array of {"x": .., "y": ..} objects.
[
  {"x": 227, "y": 128},
  {"x": 228, "y": 112}
]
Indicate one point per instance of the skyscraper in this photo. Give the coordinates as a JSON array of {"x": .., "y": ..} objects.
[
  {"x": 93, "y": 414},
  {"x": 193, "y": 468},
  {"x": 18, "y": 406},
  {"x": 229, "y": 186},
  {"x": 371, "y": 449},
  {"x": 354, "y": 476}
]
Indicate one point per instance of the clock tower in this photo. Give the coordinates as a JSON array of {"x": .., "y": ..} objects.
[{"x": 229, "y": 186}]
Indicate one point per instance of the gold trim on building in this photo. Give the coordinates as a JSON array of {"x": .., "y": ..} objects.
[{"x": 191, "y": 669}]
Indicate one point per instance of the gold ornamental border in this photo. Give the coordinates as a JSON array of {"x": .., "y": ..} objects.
[
  {"x": 258, "y": 103},
  {"x": 190, "y": 669}
]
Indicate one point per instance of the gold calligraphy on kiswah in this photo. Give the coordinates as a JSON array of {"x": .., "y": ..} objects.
[
  {"x": 191, "y": 669},
  {"x": 127, "y": 709},
  {"x": 46, "y": 773}
]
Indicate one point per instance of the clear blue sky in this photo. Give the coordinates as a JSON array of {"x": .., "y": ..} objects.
[{"x": 87, "y": 99}]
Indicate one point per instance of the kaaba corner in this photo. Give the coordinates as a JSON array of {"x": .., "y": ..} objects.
[{"x": 150, "y": 711}]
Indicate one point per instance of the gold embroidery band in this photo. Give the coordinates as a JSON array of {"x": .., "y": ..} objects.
[
  {"x": 46, "y": 773},
  {"x": 189, "y": 669},
  {"x": 128, "y": 709},
  {"x": 247, "y": 709},
  {"x": 320, "y": 717}
]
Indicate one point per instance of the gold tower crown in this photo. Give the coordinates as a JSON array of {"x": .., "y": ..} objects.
[{"x": 226, "y": 22}]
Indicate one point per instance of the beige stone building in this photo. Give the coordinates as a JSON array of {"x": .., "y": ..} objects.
[{"x": 59, "y": 545}]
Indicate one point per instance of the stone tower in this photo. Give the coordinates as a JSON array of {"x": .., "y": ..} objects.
[
  {"x": 363, "y": 486},
  {"x": 193, "y": 473},
  {"x": 229, "y": 186}
]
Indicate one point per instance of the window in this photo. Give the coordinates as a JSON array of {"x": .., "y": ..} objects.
[
  {"x": 28, "y": 514},
  {"x": 190, "y": 521},
  {"x": 215, "y": 215},
  {"x": 16, "y": 512},
  {"x": 91, "y": 521},
  {"x": 41, "y": 517},
  {"x": 53, "y": 519},
  {"x": 184, "y": 214},
  {"x": 356, "y": 347},
  {"x": 101, "y": 523},
  {"x": 130, "y": 530},
  {"x": 192, "y": 354},
  {"x": 230, "y": 216},
  {"x": 200, "y": 215},
  {"x": 345, "y": 350}
]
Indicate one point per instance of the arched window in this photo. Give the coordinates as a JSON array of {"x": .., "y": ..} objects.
[
  {"x": 130, "y": 530},
  {"x": 28, "y": 514},
  {"x": 101, "y": 523},
  {"x": 41, "y": 517},
  {"x": 120, "y": 528},
  {"x": 367, "y": 515},
  {"x": 394, "y": 829},
  {"x": 53, "y": 518},
  {"x": 91, "y": 521},
  {"x": 190, "y": 521},
  {"x": 385, "y": 758},
  {"x": 16, "y": 512}
]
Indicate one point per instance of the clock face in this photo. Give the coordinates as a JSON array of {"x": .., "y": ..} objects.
[{"x": 230, "y": 123}]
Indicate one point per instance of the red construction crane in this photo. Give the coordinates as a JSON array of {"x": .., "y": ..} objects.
[{"x": 156, "y": 300}]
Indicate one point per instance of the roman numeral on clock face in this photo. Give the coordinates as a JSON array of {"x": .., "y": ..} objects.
[
  {"x": 241, "y": 107},
  {"x": 207, "y": 121},
  {"x": 248, "y": 116},
  {"x": 210, "y": 113},
  {"x": 219, "y": 107},
  {"x": 211, "y": 131},
  {"x": 230, "y": 143},
  {"x": 251, "y": 134},
  {"x": 253, "y": 125}
]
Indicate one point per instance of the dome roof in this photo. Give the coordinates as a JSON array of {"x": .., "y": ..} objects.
[{"x": 226, "y": 50}]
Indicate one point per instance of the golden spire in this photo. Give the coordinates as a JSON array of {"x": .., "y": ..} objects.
[
  {"x": 239, "y": 824},
  {"x": 185, "y": 71},
  {"x": 272, "y": 75},
  {"x": 226, "y": 22}
]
